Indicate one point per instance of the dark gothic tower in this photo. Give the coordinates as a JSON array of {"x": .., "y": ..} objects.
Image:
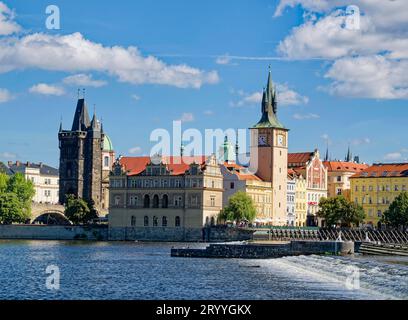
[{"x": 81, "y": 157}]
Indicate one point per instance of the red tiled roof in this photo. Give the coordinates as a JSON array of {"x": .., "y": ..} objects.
[
  {"x": 176, "y": 164},
  {"x": 237, "y": 169},
  {"x": 299, "y": 158},
  {"x": 342, "y": 166},
  {"x": 381, "y": 170}
]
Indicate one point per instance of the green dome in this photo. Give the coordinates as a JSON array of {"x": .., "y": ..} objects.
[{"x": 107, "y": 144}]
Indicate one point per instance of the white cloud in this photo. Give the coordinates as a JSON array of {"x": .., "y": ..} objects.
[
  {"x": 5, "y": 95},
  {"x": 209, "y": 112},
  {"x": 368, "y": 62},
  {"x": 135, "y": 97},
  {"x": 187, "y": 117},
  {"x": 393, "y": 156},
  {"x": 369, "y": 77},
  {"x": 74, "y": 53},
  {"x": 84, "y": 80},
  {"x": 46, "y": 89},
  {"x": 285, "y": 96},
  {"x": 7, "y": 24},
  {"x": 360, "y": 141},
  {"x": 8, "y": 155},
  {"x": 135, "y": 150},
  {"x": 307, "y": 116},
  {"x": 225, "y": 59},
  {"x": 288, "y": 97}
]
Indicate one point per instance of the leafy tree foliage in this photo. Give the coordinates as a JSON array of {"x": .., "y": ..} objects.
[
  {"x": 240, "y": 207},
  {"x": 16, "y": 194},
  {"x": 339, "y": 210},
  {"x": 397, "y": 214},
  {"x": 78, "y": 211}
]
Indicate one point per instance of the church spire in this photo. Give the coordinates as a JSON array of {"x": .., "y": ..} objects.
[
  {"x": 349, "y": 155},
  {"x": 269, "y": 107},
  {"x": 326, "y": 158},
  {"x": 81, "y": 119}
]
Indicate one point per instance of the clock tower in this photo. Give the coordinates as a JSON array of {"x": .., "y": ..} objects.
[{"x": 269, "y": 152}]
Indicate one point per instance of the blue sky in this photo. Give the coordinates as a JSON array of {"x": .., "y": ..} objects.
[{"x": 226, "y": 47}]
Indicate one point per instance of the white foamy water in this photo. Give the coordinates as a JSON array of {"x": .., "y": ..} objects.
[{"x": 376, "y": 279}]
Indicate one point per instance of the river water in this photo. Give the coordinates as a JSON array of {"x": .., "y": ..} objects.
[{"x": 106, "y": 270}]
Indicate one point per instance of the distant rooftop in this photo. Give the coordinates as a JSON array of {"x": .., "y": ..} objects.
[
  {"x": 383, "y": 170},
  {"x": 21, "y": 166}
]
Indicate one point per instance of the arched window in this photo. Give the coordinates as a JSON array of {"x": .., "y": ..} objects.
[
  {"x": 146, "y": 202},
  {"x": 155, "y": 221},
  {"x": 106, "y": 161},
  {"x": 164, "y": 221},
  {"x": 133, "y": 221},
  {"x": 117, "y": 200},
  {"x": 212, "y": 221},
  {"x": 177, "y": 221},
  {"x": 165, "y": 201},
  {"x": 155, "y": 201},
  {"x": 146, "y": 221}
]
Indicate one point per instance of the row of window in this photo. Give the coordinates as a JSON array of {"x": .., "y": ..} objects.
[
  {"x": 369, "y": 200},
  {"x": 164, "y": 221},
  {"x": 163, "y": 183},
  {"x": 382, "y": 188},
  {"x": 156, "y": 202}
]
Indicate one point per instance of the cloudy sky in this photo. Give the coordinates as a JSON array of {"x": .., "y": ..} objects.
[{"x": 340, "y": 79}]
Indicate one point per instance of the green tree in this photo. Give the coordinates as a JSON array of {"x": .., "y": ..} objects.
[
  {"x": 339, "y": 210},
  {"x": 397, "y": 214},
  {"x": 24, "y": 190},
  {"x": 4, "y": 178},
  {"x": 77, "y": 210},
  {"x": 93, "y": 213},
  {"x": 10, "y": 209},
  {"x": 240, "y": 207}
]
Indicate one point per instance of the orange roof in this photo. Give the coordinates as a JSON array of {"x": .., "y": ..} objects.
[
  {"x": 381, "y": 170},
  {"x": 342, "y": 166},
  {"x": 236, "y": 169},
  {"x": 176, "y": 164},
  {"x": 299, "y": 158}
]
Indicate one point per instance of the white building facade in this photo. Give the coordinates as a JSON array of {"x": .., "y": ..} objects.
[{"x": 44, "y": 178}]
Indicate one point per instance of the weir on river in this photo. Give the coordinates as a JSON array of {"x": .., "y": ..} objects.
[{"x": 356, "y": 235}]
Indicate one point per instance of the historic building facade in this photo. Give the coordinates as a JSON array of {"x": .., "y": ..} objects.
[
  {"x": 43, "y": 177},
  {"x": 339, "y": 173},
  {"x": 238, "y": 178},
  {"x": 309, "y": 165},
  {"x": 376, "y": 187},
  {"x": 291, "y": 203},
  {"x": 168, "y": 195},
  {"x": 269, "y": 153},
  {"x": 82, "y": 159}
]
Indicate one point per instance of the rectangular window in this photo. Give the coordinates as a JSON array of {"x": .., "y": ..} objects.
[{"x": 212, "y": 200}]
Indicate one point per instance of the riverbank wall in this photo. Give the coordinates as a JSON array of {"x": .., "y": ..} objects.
[
  {"x": 104, "y": 233},
  {"x": 41, "y": 232},
  {"x": 266, "y": 251}
]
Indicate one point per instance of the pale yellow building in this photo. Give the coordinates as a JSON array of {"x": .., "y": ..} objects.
[
  {"x": 165, "y": 193},
  {"x": 237, "y": 178},
  {"x": 376, "y": 187},
  {"x": 300, "y": 198}
]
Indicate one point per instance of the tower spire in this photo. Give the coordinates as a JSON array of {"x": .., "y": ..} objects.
[{"x": 349, "y": 156}]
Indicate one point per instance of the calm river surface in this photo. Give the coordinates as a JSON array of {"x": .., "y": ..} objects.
[{"x": 146, "y": 271}]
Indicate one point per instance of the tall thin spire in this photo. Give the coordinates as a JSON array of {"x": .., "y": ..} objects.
[
  {"x": 269, "y": 107},
  {"x": 60, "y": 127},
  {"x": 326, "y": 158},
  {"x": 349, "y": 155},
  {"x": 236, "y": 148}
]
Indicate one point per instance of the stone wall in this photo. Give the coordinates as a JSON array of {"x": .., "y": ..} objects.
[
  {"x": 265, "y": 251},
  {"x": 38, "y": 232},
  {"x": 210, "y": 234}
]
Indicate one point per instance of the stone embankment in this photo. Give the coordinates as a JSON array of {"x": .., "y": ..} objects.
[{"x": 265, "y": 251}]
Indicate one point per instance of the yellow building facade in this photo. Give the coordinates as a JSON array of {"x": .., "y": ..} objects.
[
  {"x": 376, "y": 188},
  {"x": 300, "y": 201}
]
